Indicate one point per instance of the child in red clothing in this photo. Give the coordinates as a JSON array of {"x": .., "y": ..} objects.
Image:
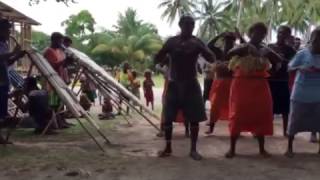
[{"x": 147, "y": 89}]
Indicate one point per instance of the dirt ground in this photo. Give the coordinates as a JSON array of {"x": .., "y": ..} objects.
[{"x": 133, "y": 156}]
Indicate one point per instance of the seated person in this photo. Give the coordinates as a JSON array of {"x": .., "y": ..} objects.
[
  {"x": 85, "y": 101},
  {"x": 106, "y": 109},
  {"x": 38, "y": 105}
]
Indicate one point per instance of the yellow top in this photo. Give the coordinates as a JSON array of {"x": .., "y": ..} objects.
[{"x": 249, "y": 63}]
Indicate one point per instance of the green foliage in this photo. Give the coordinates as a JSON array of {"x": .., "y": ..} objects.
[
  {"x": 133, "y": 41},
  {"x": 217, "y": 16},
  {"x": 176, "y": 8},
  {"x": 80, "y": 25},
  {"x": 40, "y": 40}
]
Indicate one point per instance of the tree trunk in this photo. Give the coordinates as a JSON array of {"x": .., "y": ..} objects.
[{"x": 239, "y": 13}]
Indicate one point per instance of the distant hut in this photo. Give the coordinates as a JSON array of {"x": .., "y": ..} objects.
[{"x": 22, "y": 28}]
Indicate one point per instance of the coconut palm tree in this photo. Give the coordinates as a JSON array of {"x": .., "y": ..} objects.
[
  {"x": 133, "y": 41},
  {"x": 176, "y": 8},
  {"x": 213, "y": 18}
]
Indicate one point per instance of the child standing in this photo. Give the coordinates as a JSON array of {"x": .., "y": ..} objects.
[
  {"x": 147, "y": 89},
  {"x": 135, "y": 85}
]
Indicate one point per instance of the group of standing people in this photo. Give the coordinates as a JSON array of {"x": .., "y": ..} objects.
[{"x": 251, "y": 83}]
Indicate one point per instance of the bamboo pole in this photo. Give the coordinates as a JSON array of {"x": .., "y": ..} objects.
[
  {"x": 65, "y": 94},
  {"x": 85, "y": 61}
]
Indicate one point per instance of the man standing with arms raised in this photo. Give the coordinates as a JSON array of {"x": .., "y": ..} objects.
[{"x": 184, "y": 91}]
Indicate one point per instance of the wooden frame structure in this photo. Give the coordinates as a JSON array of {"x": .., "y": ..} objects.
[{"x": 22, "y": 28}]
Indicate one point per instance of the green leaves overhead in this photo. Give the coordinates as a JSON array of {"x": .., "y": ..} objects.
[{"x": 217, "y": 16}]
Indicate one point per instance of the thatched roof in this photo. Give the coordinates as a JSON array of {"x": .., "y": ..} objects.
[{"x": 13, "y": 15}]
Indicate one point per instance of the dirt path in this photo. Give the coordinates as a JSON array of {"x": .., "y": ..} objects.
[
  {"x": 133, "y": 157},
  {"x": 72, "y": 155}
]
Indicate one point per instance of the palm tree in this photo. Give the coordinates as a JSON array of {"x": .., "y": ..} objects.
[
  {"x": 133, "y": 40},
  {"x": 213, "y": 19},
  {"x": 245, "y": 11},
  {"x": 176, "y": 8}
]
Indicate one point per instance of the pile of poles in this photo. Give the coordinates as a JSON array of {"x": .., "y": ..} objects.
[
  {"x": 104, "y": 82},
  {"x": 109, "y": 87}
]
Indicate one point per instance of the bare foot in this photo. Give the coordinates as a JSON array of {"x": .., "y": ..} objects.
[
  {"x": 195, "y": 156},
  {"x": 289, "y": 154},
  {"x": 230, "y": 154},
  {"x": 209, "y": 132},
  {"x": 265, "y": 154},
  {"x": 165, "y": 153},
  {"x": 160, "y": 134}
]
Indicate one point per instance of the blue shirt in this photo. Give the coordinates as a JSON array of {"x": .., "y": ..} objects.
[
  {"x": 306, "y": 86},
  {"x": 4, "y": 78}
]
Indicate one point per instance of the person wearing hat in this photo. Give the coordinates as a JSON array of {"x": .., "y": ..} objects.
[{"x": 7, "y": 58}]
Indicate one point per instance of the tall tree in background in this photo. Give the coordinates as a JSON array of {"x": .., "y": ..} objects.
[
  {"x": 79, "y": 25},
  {"x": 79, "y": 28},
  {"x": 133, "y": 40},
  {"x": 213, "y": 19},
  {"x": 40, "y": 40},
  {"x": 175, "y": 8}
]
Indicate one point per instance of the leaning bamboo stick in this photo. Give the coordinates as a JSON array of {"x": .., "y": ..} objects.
[{"x": 85, "y": 61}]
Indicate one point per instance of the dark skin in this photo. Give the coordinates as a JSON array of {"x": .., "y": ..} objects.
[
  {"x": 229, "y": 42},
  {"x": 184, "y": 51},
  {"x": 256, "y": 38},
  {"x": 315, "y": 49},
  {"x": 282, "y": 37}
]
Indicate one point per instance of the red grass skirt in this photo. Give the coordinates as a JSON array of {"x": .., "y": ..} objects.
[
  {"x": 250, "y": 104},
  {"x": 219, "y": 98}
]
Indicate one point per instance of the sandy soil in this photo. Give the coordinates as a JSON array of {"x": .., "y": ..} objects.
[{"x": 73, "y": 155}]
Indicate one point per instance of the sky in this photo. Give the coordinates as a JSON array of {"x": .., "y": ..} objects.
[{"x": 50, "y": 14}]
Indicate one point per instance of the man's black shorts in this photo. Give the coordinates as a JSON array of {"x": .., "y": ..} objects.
[{"x": 185, "y": 96}]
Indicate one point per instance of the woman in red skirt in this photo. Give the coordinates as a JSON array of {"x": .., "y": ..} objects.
[
  {"x": 250, "y": 105},
  {"x": 220, "y": 89},
  {"x": 219, "y": 95}
]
